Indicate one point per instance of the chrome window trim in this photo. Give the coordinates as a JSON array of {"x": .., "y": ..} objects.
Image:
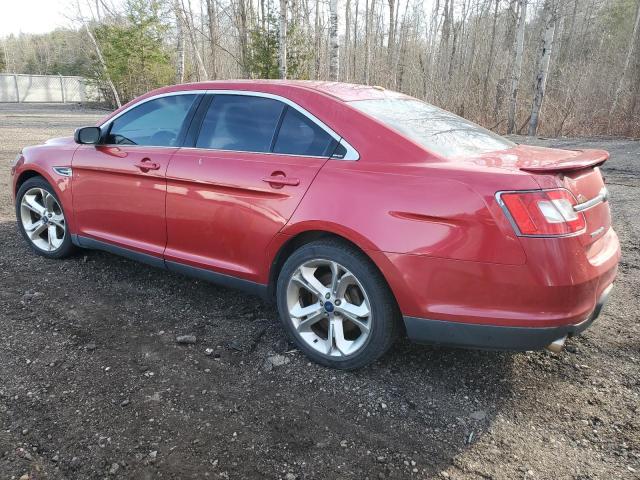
[
  {"x": 148, "y": 99},
  {"x": 503, "y": 206},
  {"x": 255, "y": 153},
  {"x": 351, "y": 155}
]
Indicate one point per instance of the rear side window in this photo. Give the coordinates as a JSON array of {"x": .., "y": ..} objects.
[
  {"x": 435, "y": 129},
  {"x": 299, "y": 135},
  {"x": 157, "y": 122},
  {"x": 240, "y": 123}
]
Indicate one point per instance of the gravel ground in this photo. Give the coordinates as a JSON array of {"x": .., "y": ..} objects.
[{"x": 94, "y": 385}]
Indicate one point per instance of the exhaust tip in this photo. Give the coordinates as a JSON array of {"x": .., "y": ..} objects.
[{"x": 557, "y": 345}]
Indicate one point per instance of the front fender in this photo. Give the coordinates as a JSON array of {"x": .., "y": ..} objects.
[{"x": 41, "y": 160}]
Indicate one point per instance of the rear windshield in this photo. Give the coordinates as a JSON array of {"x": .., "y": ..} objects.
[{"x": 435, "y": 129}]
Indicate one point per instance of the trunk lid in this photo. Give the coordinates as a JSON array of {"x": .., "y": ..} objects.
[
  {"x": 576, "y": 170},
  {"x": 587, "y": 185}
]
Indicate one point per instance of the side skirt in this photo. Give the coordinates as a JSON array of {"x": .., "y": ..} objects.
[
  {"x": 221, "y": 279},
  {"x": 86, "y": 242}
]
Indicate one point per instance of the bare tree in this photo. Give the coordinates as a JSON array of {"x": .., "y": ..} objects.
[
  {"x": 516, "y": 68},
  {"x": 318, "y": 40},
  {"x": 485, "y": 86},
  {"x": 392, "y": 31},
  {"x": 368, "y": 27},
  {"x": 282, "y": 40},
  {"x": 635, "y": 39},
  {"x": 107, "y": 77},
  {"x": 187, "y": 20},
  {"x": 212, "y": 15},
  {"x": 467, "y": 56},
  {"x": 542, "y": 70},
  {"x": 347, "y": 39},
  {"x": 180, "y": 49},
  {"x": 334, "y": 47}
]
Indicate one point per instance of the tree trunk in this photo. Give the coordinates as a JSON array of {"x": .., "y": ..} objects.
[
  {"x": 188, "y": 21},
  {"x": 492, "y": 46},
  {"x": 282, "y": 40},
  {"x": 347, "y": 40},
  {"x": 392, "y": 32},
  {"x": 318, "y": 40},
  {"x": 367, "y": 42},
  {"x": 103, "y": 64},
  {"x": 354, "y": 49},
  {"x": 635, "y": 38},
  {"x": 242, "y": 33},
  {"x": 542, "y": 70},
  {"x": 180, "y": 51},
  {"x": 213, "y": 35},
  {"x": 516, "y": 66},
  {"x": 334, "y": 48}
]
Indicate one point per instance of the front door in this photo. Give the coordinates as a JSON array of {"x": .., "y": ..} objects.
[
  {"x": 253, "y": 161},
  {"x": 119, "y": 187}
]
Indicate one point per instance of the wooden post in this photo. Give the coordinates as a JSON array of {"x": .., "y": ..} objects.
[
  {"x": 62, "y": 88},
  {"x": 15, "y": 81}
]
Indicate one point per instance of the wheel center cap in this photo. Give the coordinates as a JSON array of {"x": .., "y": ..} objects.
[{"x": 328, "y": 306}]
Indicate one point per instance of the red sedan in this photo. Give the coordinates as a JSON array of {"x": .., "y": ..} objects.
[{"x": 365, "y": 213}]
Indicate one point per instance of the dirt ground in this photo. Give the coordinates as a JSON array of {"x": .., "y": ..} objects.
[{"x": 94, "y": 385}]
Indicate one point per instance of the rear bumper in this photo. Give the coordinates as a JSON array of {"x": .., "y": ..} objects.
[{"x": 493, "y": 337}]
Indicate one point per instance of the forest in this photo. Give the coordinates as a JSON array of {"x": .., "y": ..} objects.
[{"x": 536, "y": 67}]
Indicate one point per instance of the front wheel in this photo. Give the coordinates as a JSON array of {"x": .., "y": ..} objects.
[
  {"x": 41, "y": 219},
  {"x": 336, "y": 306}
]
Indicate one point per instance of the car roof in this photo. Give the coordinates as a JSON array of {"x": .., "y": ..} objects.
[{"x": 345, "y": 92}]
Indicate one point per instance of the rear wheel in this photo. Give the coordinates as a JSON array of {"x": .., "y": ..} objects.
[
  {"x": 336, "y": 306},
  {"x": 41, "y": 219}
]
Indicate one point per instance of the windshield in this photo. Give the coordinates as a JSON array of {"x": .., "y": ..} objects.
[{"x": 435, "y": 129}]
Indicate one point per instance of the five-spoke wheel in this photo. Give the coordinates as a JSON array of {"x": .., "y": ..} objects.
[
  {"x": 329, "y": 307},
  {"x": 41, "y": 219},
  {"x": 336, "y": 305}
]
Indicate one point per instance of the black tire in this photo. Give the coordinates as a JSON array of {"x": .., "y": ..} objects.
[
  {"x": 385, "y": 322},
  {"x": 66, "y": 248}
]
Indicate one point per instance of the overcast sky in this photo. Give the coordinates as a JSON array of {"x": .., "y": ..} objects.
[{"x": 32, "y": 16}]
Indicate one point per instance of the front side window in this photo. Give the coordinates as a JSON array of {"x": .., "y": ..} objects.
[
  {"x": 240, "y": 123},
  {"x": 298, "y": 135},
  {"x": 154, "y": 123},
  {"x": 435, "y": 129}
]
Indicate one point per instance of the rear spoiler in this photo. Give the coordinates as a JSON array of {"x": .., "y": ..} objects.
[{"x": 584, "y": 159}]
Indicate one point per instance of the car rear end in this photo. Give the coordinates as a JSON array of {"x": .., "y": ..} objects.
[
  {"x": 553, "y": 203},
  {"x": 565, "y": 230}
]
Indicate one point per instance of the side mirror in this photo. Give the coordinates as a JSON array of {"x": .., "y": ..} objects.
[{"x": 87, "y": 135}]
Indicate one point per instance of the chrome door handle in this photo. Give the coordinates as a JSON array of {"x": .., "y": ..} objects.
[
  {"x": 146, "y": 164},
  {"x": 282, "y": 181}
]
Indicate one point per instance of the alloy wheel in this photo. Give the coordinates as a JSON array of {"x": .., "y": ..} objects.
[
  {"x": 329, "y": 308},
  {"x": 42, "y": 219}
]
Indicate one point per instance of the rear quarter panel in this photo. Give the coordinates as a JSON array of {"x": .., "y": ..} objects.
[{"x": 412, "y": 209}]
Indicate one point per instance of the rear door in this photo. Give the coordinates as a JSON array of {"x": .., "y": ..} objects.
[
  {"x": 249, "y": 167},
  {"x": 119, "y": 187}
]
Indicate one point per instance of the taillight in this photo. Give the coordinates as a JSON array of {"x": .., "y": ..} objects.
[{"x": 542, "y": 212}]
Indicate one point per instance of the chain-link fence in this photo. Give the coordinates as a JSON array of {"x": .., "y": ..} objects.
[{"x": 47, "y": 88}]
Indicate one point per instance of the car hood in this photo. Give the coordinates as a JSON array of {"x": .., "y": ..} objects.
[
  {"x": 60, "y": 141},
  {"x": 541, "y": 159}
]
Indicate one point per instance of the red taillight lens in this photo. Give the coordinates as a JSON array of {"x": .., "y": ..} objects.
[{"x": 543, "y": 212}]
